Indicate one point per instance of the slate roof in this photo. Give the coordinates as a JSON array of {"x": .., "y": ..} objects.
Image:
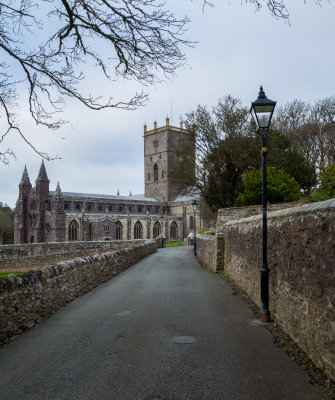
[{"x": 135, "y": 197}]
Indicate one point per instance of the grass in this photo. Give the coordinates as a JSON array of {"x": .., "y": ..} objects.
[
  {"x": 174, "y": 244},
  {"x": 6, "y": 273}
]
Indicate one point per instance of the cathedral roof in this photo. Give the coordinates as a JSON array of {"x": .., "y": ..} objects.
[
  {"x": 25, "y": 177},
  {"x": 135, "y": 197},
  {"x": 42, "y": 175}
]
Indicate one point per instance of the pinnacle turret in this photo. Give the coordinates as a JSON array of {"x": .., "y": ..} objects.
[
  {"x": 25, "y": 177},
  {"x": 42, "y": 175},
  {"x": 58, "y": 192}
]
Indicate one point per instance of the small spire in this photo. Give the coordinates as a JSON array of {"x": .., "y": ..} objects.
[
  {"x": 42, "y": 175},
  {"x": 25, "y": 177},
  {"x": 118, "y": 192},
  {"x": 58, "y": 192}
]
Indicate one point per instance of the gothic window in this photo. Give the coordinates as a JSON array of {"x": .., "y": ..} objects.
[
  {"x": 191, "y": 222},
  {"x": 149, "y": 176},
  {"x": 138, "y": 230},
  {"x": 155, "y": 143},
  {"x": 157, "y": 229},
  {"x": 110, "y": 208},
  {"x": 130, "y": 208},
  {"x": 163, "y": 174},
  {"x": 66, "y": 206},
  {"x": 32, "y": 205},
  {"x": 156, "y": 210},
  {"x": 148, "y": 209},
  {"x": 139, "y": 209},
  {"x": 100, "y": 207},
  {"x": 174, "y": 230},
  {"x": 89, "y": 207},
  {"x": 120, "y": 208},
  {"x": 48, "y": 228},
  {"x": 73, "y": 230},
  {"x": 106, "y": 228},
  {"x": 78, "y": 207},
  {"x": 118, "y": 231},
  {"x": 150, "y": 158},
  {"x": 164, "y": 210},
  {"x": 155, "y": 173},
  {"x": 47, "y": 205}
]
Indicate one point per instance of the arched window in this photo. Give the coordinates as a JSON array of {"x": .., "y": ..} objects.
[
  {"x": 110, "y": 208},
  {"x": 107, "y": 228},
  {"x": 157, "y": 229},
  {"x": 118, "y": 231},
  {"x": 130, "y": 208},
  {"x": 66, "y": 206},
  {"x": 48, "y": 228},
  {"x": 73, "y": 230},
  {"x": 148, "y": 176},
  {"x": 156, "y": 210},
  {"x": 120, "y": 208},
  {"x": 78, "y": 207},
  {"x": 174, "y": 230},
  {"x": 163, "y": 174},
  {"x": 138, "y": 230},
  {"x": 139, "y": 209},
  {"x": 32, "y": 205},
  {"x": 191, "y": 222},
  {"x": 155, "y": 173}
]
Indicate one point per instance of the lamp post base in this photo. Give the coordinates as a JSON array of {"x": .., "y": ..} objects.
[{"x": 264, "y": 316}]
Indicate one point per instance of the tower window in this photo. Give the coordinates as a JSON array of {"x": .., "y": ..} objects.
[
  {"x": 149, "y": 176},
  {"x": 106, "y": 228},
  {"x": 155, "y": 173}
]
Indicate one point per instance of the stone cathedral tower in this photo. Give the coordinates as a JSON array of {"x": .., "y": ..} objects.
[{"x": 160, "y": 146}]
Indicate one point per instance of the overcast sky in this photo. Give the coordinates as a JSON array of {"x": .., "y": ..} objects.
[{"x": 238, "y": 49}]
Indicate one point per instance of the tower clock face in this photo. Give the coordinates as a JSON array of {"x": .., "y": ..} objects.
[{"x": 155, "y": 158}]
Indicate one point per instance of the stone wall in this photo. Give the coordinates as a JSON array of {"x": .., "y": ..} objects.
[
  {"x": 207, "y": 251},
  {"x": 33, "y": 296},
  {"x": 301, "y": 249},
  {"x": 12, "y": 251}
]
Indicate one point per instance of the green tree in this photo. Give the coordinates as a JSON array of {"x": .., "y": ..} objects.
[
  {"x": 281, "y": 187},
  {"x": 6, "y": 224},
  {"x": 327, "y": 181}
]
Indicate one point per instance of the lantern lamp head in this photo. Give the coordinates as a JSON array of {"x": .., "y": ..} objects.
[{"x": 262, "y": 110}]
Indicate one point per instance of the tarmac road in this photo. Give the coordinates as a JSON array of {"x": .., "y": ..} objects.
[{"x": 165, "y": 329}]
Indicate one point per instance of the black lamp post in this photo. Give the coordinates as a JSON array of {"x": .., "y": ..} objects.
[
  {"x": 262, "y": 111},
  {"x": 162, "y": 235},
  {"x": 194, "y": 204}
]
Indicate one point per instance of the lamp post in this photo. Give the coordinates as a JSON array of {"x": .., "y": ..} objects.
[
  {"x": 162, "y": 236},
  {"x": 262, "y": 110},
  {"x": 194, "y": 204}
]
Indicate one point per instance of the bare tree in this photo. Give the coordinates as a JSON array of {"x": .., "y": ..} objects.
[
  {"x": 311, "y": 127},
  {"x": 45, "y": 44}
]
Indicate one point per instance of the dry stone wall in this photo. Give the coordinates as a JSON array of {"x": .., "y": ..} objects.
[
  {"x": 11, "y": 251},
  {"x": 33, "y": 296},
  {"x": 207, "y": 251},
  {"x": 301, "y": 257}
]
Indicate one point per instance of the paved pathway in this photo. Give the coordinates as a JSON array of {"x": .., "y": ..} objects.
[{"x": 122, "y": 342}]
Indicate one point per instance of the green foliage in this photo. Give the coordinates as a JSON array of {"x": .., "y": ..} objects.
[
  {"x": 327, "y": 181},
  {"x": 281, "y": 187},
  {"x": 4, "y": 274},
  {"x": 6, "y": 224},
  {"x": 174, "y": 244}
]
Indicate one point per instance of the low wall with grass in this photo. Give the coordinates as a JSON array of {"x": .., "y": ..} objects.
[
  {"x": 11, "y": 256},
  {"x": 301, "y": 257},
  {"x": 33, "y": 296}
]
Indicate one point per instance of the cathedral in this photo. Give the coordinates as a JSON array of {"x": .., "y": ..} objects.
[{"x": 43, "y": 215}]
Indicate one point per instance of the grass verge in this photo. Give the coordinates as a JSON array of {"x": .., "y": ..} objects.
[
  {"x": 174, "y": 244},
  {"x": 6, "y": 273}
]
